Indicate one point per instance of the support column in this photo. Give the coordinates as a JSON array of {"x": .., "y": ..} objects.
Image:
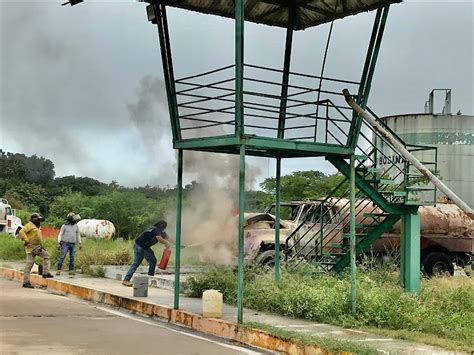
[
  {"x": 277, "y": 219},
  {"x": 353, "y": 236},
  {"x": 168, "y": 71},
  {"x": 240, "y": 268},
  {"x": 410, "y": 252},
  {"x": 286, "y": 73},
  {"x": 369, "y": 69},
  {"x": 239, "y": 132},
  {"x": 179, "y": 202},
  {"x": 239, "y": 67}
]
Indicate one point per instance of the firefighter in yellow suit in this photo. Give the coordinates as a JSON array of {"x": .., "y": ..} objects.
[{"x": 31, "y": 236}]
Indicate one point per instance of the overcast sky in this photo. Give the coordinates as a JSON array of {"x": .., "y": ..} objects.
[{"x": 76, "y": 82}]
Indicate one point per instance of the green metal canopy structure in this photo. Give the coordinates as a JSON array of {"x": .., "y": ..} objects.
[{"x": 251, "y": 109}]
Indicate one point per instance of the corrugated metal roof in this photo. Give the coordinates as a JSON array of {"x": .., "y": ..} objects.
[{"x": 307, "y": 13}]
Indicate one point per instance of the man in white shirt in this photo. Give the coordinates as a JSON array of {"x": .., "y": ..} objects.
[{"x": 67, "y": 238}]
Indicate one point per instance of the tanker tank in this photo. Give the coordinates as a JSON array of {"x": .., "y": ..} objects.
[{"x": 96, "y": 228}]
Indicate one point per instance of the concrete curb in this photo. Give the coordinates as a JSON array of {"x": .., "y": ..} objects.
[{"x": 217, "y": 327}]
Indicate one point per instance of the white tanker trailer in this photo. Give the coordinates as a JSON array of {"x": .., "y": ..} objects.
[{"x": 96, "y": 228}]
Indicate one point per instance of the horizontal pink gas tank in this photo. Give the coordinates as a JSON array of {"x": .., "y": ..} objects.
[{"x": 96, "y": 228}]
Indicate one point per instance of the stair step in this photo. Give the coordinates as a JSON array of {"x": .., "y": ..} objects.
[
  {"x": 419, "y": 203},
  {"x": 358, "y": 235},
  {"x": 375, "y": 214},
  {"x": 326, "y": 263},
  {"x": 383, "y": 181},
  {"x": 333, "y": 254},
  {"x": 368, "y": 169},
  {"x": 366, "y": 225},
  {"x": 338, "y": 245},
  {"x": 394, "y": 193},
  {"x": 361, "y": 157},
  {"x": 420, "y": 188}
]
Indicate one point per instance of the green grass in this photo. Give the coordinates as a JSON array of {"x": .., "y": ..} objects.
[
  {"x": 444, "y": 310},
  {"x": 11, "y": 248},
  {"x": 94, "y": 252},
  {"x": 327, "y": 343}
]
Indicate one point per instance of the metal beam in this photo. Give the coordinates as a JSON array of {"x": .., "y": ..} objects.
[
  {"x": 363, "y": 80},
  {"x": 167, "y": 69},
  {"x": 277, "y": 219},
  {"x": 286, "y": 72},
  {"x": 239, "y": 68},
  {"x": 240, "y": 267},
  {"x": 171, "y": 70},
  {"x": 179, "y": 201},
  {"x": 352, "y": 235},
  {"x": 264, "y": 144},
  {"x": 367, "y": 84}
]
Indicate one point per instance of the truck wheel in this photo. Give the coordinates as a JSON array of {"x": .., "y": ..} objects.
[
  {"x": 438, "y": 264},
  {"x": 267, "y": 258}
]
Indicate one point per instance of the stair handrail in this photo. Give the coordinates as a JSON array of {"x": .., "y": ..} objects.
[{"x": 407, "y": 155}]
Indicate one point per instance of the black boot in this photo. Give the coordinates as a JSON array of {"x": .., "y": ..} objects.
[
  {"x": 27, "y": 285},
  {"x": 47, "y": 276}
]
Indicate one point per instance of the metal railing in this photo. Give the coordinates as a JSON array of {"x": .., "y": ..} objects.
[
  {"x": 206, "y": 105},
  {"x": 389, "y": 174}
]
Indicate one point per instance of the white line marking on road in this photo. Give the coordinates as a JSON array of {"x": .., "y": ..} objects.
[{"x": 124, "y": 315}]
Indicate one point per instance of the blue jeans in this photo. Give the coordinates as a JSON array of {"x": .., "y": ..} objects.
[
  {"x": 139, "y": 254},
  {"x": 65, "y": 248}
]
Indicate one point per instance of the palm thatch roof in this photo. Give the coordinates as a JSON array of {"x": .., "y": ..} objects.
[{"x": 305, "y": 13}]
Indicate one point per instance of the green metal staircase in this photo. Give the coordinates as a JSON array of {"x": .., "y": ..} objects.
[{"x": 386, "y": 188}]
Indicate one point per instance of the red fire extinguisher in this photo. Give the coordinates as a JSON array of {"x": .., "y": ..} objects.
[{"x": 165, "y": 258}]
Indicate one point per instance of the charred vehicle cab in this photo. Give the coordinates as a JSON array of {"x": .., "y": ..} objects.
[{"x": 446, "y": 233}]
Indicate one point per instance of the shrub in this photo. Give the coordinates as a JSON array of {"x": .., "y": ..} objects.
[{"x": 444, "y": 308}]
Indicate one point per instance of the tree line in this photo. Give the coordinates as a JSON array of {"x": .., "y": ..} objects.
[{"x": 30, "y": 184}]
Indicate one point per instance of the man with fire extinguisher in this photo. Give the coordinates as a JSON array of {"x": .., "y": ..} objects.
[{"x": 142, "y": 249}]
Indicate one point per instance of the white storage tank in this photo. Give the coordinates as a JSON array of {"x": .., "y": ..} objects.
[
  {"x": 451, "y": 134},
  {"x": 96, "y": 228}
]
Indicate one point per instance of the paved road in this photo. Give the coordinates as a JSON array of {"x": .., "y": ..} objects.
[{"x": 37, "y": 322}]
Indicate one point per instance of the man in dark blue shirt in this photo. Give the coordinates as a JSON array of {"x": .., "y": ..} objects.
[{"x": 142, "y": 249}]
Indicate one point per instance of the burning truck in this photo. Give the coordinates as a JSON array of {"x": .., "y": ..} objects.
[{"x": 447, "y": 233}]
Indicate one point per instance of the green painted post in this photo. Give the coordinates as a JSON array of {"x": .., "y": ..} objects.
[
  {"x": 169, "y": 85},
  {"x": 239, "y": 68},
  {"x": 364, "y": 89},
  {"x": 178, "y": 229},
  {"x": 277, "y": 219},
  {"x": 378, "y": 43},
  {"x": 239, "y": 132},
  {"x": 410, "y": 252},
  {"x": 240, "y": 269},
  {"x": 353, "y": 236},
  {"x": 286, "y": 73}
]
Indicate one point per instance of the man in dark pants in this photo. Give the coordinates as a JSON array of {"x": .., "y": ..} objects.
[{"x": 142, "y": 249}]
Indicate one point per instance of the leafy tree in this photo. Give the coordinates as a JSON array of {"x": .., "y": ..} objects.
[
  {"x": 25, "y": 194},
  {"x": 302, "y": 185},
  {"x": 257, "y": 201},
  {"x": 71, "y": 202},
  {"x": 85, "y": 185},
  {"x": 19, "y": 167}
]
